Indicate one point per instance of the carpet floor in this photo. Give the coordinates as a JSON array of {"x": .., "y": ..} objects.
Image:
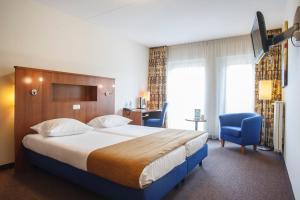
[{"x": 225, "y": 174}]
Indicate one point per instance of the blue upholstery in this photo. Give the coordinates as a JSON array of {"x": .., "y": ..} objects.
[
  {"x": 241, "y": 128},
  {"x": 231, "y": 130},
  {"x": 157, "y": 122}
]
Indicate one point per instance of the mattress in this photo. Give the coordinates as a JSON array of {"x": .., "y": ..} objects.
[
  {"x": 139, "y": 131},
  {"x": 74, "y": 150}
]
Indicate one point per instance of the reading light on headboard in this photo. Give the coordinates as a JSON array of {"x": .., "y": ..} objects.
[
  {"x": 34, "y": 91},
  {"x": 107, "y": 93}
]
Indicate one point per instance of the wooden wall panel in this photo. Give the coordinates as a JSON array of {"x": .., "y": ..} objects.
[{"x": 30, "y": 110}]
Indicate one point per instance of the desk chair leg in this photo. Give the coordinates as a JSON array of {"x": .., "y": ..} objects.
[
  {"x": 222, "y": 142},
  {"x": 242, "y": 149}
]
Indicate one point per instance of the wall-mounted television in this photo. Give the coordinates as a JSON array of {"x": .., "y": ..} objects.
[
  {"x": 259, "y": 37},
  {"x": 260, "y": 41}
]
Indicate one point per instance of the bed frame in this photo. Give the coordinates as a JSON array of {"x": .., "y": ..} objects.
[
  {"x": 156, "y": 190},
  {"x": 43, "y": 94}
]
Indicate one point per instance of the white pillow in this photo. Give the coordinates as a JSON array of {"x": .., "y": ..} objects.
[
  {"x": 108, "y": 121},
  {"x": 60, "y": 127}
]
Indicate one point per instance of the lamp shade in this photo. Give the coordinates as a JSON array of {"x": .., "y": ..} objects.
[
  {"x": 146, "y": 95},
  {"x": 265, "y": 90}
]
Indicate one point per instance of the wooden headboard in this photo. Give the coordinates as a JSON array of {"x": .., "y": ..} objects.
[{"x": 43, "y": 94}]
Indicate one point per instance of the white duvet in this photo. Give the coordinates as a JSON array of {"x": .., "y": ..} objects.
[{"x": 74, "y": 150}]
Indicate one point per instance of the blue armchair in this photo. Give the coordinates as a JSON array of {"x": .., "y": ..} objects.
[
  {"x": 241, "y": 128},
  {"x": 157, "y": 119}
]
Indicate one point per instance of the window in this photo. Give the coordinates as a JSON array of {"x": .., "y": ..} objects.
[
  {"x": 185, "y": 92},
  {"x": 239, "y": 94}
]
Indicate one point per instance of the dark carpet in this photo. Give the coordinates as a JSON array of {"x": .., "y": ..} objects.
[{"x": 225, "y": 174}]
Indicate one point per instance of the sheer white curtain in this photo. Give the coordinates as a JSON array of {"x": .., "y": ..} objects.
[
  {"x": 185, "y": 92},
  {"x": 240, "y": 88},
  {"x": 212, "y": 57}
]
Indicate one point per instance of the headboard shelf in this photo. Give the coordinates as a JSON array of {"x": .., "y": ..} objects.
[{"x": 70, "y": 92}]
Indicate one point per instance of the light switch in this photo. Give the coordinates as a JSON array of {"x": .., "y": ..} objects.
[{"x": 76, "y": 107}]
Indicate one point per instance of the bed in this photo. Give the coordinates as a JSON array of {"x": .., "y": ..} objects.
[
  {"x": 69, "y": 156},
  {"x": 66, "y": 156}
]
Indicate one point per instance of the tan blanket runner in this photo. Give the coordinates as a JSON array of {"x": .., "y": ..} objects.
[{"x": 124, "y": 162}]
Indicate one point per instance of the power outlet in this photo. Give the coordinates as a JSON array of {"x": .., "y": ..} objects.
[{"x": 76, "y": 107}]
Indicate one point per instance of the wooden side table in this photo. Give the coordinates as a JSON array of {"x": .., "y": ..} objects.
[{"x": 196, "y": 121}]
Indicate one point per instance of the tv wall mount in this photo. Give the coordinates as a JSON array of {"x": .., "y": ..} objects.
[{"x": 292, "y": 32}]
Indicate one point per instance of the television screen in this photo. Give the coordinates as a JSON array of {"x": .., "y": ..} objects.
[{"x": 259, "y": 37}]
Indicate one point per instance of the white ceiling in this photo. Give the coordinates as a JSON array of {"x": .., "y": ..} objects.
[{"x": 168, "y": 22}]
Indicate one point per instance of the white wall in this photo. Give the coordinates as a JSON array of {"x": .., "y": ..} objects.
[
  {"x": 34, "y": 35},
  {"x": 292, "y": 99}
]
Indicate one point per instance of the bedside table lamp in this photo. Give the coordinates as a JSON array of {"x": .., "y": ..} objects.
[
  {"x": 265, "y": 94},
  {"x": 143, "y": 99},
  {"x": 147, "y": 98}
]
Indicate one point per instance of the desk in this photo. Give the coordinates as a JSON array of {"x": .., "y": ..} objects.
[
  {"x": 138, "y": 115},
  {"x": 196, "y": 122}
]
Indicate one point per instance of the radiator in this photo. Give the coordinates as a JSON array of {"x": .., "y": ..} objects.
[{"x": 278, "y": 128}]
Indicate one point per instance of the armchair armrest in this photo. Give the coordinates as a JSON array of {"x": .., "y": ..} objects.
[{"x": 251, "y": 130}]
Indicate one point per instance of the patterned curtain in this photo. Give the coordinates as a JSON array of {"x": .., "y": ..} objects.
[
  {"x": 269, "y": 68},
  {"x": 157, "y": 77}
]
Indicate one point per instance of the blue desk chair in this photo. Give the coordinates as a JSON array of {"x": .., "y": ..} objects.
[
  {"x": 241, "y": 128},
  {"x": 157, "y": 119}
]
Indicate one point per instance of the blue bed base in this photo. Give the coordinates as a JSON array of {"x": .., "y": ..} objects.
[
  {"x": 196, "y": 158},
  {"x": 156, "y": 190}
]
